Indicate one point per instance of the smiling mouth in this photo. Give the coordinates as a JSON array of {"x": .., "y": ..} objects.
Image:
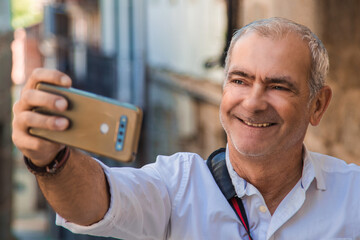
[{"x": 257, "y": 125}]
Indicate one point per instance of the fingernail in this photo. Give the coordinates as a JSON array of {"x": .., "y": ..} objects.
[
  {"x": 60, "y": 104},
  {"x": 65, "y": 80},
  {"x": 60, "y": 122}
]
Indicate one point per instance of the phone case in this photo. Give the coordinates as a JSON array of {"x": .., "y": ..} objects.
[{"x": 98, "y": 124}]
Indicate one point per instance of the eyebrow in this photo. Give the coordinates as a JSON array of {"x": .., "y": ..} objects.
[
  {"x": 241, "y": 74},
  {"x": 285, "y": 80}
]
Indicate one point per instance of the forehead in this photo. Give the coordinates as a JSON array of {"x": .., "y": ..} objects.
[{"x": 288, "y": 54}]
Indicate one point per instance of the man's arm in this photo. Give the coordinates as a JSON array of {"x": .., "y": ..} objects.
[{"x": 79, "y": 192}]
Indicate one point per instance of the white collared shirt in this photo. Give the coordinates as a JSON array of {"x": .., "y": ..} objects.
[{"x": 177, "y": 198}]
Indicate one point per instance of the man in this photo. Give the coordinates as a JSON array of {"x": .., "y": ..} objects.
[{"x": 274, "y": 87}]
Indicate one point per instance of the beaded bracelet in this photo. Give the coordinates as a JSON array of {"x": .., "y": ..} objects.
[{"x": 53, "y": 167}]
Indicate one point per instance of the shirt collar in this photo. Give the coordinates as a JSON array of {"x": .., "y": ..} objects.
[
  {"x": 311, "y": 171},
  {"x": 238, "y": 182}
]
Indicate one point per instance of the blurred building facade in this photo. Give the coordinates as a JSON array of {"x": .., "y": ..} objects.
[
  {"x": 166, "y": 56},
  {"x": 154, "y": 54},
  {"x": 5, "y": 121}
]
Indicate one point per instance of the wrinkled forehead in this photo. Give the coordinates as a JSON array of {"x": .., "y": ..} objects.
[
  {"x": 275, "y": 33},
  {"x": 295, "y": 39},
  {"x": 290, "y": 42},
  {"x": 288, "y": 55}
]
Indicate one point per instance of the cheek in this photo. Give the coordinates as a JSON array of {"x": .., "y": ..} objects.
[
  {"x": 293, "y": 113},
  {"x": 227, "y": 103},
  {"x": 287, "y": 108},
  {"x": 224, "y": 104},
  {"x": 230, "y": 99},
  {"x": 222, "y": 113}
]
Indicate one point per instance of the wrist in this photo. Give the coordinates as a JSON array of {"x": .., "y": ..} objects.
[{"x": 53, "y": 168}]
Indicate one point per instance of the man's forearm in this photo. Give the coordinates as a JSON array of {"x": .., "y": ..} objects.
[{"x": 79, "y": 193}]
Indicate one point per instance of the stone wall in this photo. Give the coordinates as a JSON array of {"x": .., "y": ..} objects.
[
  {"x": 302, "y": 11},
  {"x": 339, "y": 132}
]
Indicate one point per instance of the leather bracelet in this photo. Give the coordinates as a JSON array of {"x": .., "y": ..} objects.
[{"x": 52, "y": 168}]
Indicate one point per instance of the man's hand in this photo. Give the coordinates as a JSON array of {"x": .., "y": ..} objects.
[
  {"x": 82, "y": 177},
  {"x": 41, "y": 152}
]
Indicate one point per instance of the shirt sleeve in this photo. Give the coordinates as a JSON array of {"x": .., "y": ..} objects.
[{"x": 139, "y": 207}]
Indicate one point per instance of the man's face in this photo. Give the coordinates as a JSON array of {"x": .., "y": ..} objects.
[{"x": 265, "y": 103}]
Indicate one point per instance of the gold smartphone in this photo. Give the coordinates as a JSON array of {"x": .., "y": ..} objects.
[{"x": 98, "y": 124}]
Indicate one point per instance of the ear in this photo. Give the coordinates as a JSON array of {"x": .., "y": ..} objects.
[{"x": 319, "y": 105}]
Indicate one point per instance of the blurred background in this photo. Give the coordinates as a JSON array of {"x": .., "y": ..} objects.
[{"x": 165, "y": 56}]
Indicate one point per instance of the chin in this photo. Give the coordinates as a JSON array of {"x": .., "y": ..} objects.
[
  {"x": 247, "y": 149},
  {"x": 250, "y": 152}
]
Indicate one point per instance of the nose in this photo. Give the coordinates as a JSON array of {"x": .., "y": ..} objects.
[{"x": 254, "y": 100}]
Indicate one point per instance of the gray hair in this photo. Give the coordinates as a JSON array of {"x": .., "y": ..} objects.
[{"x": 277, "y": 28}]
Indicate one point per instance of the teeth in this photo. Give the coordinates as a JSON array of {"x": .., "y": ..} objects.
[{"x": 259, "y": 125}]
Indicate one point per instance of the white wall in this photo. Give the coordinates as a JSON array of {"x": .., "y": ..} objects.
[{"x": 184, "y": 34}]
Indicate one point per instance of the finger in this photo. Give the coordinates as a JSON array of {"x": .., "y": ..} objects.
[
  {"x": 40, "y": 151},
  {"x": 49, "y": 76},
  {"x": 33, "y": 98},
  {"x": 30, "y": 119},
  {"x": 16, "y": 107},
  {"x": 31, "y": 143}
]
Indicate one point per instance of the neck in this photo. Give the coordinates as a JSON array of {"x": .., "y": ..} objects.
[{"x": 274, "y": 176}]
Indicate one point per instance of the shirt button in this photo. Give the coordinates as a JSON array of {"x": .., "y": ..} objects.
[{"x": 263, "y": 209}]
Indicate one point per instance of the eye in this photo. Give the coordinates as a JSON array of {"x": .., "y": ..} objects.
[
  {"x": 238, "y": 81},
  {"x": 281, "y": 88}
]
